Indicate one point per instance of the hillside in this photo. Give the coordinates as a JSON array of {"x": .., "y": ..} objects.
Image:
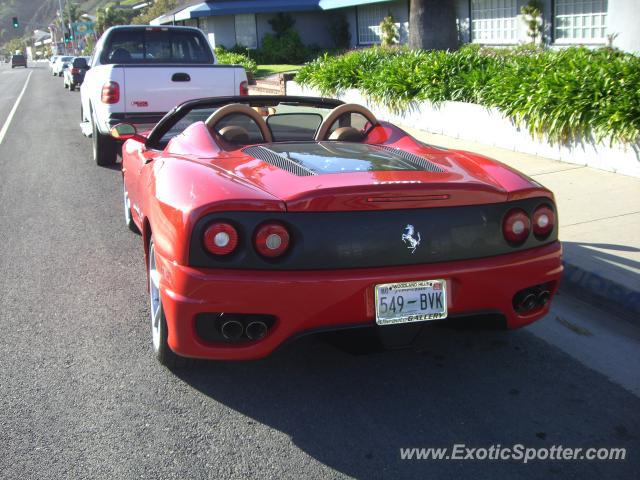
[{"x": 34, "y": 14}]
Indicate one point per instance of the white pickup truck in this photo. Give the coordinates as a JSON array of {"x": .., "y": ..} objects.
[{"x": 138, "y": 73}]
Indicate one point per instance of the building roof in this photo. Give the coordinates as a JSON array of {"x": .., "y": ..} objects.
[{"x": 232, "y": 7}]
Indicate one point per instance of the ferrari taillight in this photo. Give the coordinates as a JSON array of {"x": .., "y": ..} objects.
[
  {"x": 221, "y": 238},
  {"x": 244, "y": 88},
  {"x": 516, "y": 226},
  {"x": 110, "y": 92},
  {"x": 271, "y": 240},
  {"x": 543, "y": 221}
]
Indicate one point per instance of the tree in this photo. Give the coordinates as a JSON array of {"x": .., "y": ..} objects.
[
  {"x": 108, "y": 17},
  {"x": 14, "y": 45},
  {"x": 389, "y": 31},
  {"x": 160, "y": 7},
  {"x": 532, "y": 12},
  {"x": 432, "y": 25},
  {"x": 72, "y": 12}
]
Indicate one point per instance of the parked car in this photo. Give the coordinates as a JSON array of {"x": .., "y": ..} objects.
[
  {"x": 59, "y": 65},
  {"x": 52, "y": 60},
  {"x": 18, "y": 61},
  {"x": 138, "y": 73},
  {"x": 73, "y": 75},
  {"x": 267, "y": 217}
]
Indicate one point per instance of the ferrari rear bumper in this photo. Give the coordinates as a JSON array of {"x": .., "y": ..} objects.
[{"x": 303, "y": 301}]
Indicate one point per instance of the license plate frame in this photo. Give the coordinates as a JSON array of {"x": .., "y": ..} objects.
[{"x": 390, "y": 316}]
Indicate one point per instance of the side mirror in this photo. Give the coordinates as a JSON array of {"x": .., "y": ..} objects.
[{"x": 125, "y": 131}]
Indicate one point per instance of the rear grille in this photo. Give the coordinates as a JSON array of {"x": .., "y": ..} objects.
[
  {"x": 410, "y": 157},
  {"x": 278, "y": 160}
]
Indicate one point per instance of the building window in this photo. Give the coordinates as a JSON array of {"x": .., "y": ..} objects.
[
  {"x": 369, "y": 19},
  {"x": 494, "y": 21},
  {"x": 581, "y": 21},
  {"x": 246, "y": 34}
]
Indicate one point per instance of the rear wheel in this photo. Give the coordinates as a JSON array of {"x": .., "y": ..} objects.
[
  {"x": 159, "y": 332},
  {"x": 72, "y": 87},
  {"x": 104, "y": 147}
]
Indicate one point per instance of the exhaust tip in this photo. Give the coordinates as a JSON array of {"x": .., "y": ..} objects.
[
  {"x": 544, "y": 297},
  {"x": 256, "y": 330},
  {"x": 232, "y": 330},
  {"x": 529, "y": 302}
]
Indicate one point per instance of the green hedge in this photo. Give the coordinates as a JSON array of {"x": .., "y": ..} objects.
[
  {"x": 574, "y": 93},
  {"x": 226, "y": 57}
]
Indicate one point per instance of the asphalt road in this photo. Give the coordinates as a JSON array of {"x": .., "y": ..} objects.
[{"x": 82, "y": 397}]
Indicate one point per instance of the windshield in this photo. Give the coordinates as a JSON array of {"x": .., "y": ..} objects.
[
  {"x": 156, "y": 46},
  {"x": 287, "y": 122}
]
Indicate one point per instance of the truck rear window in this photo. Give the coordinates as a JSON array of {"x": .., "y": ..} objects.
[{"x": 156, "y": 46}]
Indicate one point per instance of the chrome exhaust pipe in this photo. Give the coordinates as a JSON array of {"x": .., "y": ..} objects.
[
  {"x": 256, "y": 330},
  {"x": 529, "y": 302},
  {"x": 544, "y": 297},
  {"x": 231, "y": 330}
]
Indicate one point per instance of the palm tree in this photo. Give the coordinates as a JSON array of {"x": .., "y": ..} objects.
[
  {"x": 432, "y": 25},
  {"x": 108, "y": 17}
]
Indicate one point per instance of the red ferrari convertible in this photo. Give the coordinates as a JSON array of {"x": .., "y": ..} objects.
[{"x": 266, "y": 218}]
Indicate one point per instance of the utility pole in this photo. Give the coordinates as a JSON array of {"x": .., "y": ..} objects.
[{"x": 62, "y": 27}]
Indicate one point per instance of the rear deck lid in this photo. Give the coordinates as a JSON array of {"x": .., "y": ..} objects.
[{"x": 338, "y": 176}]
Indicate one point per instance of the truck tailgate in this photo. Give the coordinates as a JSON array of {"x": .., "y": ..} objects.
[{"x": 150, "y": 88}]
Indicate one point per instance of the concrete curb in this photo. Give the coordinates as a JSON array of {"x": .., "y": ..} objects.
[{"x": 602, "y": 292}]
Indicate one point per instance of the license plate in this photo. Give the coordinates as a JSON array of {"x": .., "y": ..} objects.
[{"x": 411, "y": 302}]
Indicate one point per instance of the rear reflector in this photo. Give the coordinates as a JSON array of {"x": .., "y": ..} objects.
[
  {"x": 110, "y": 92},
  {"x": 271, "y": 240},
  {"x": 221, "y": 238},
  {"x": 543, "y": 221},
  {"x": 516, "y": 226}
]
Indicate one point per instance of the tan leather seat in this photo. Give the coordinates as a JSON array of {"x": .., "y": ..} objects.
[
  {"x": 336, "y": 113},
  {"x": 239, "y": 108}
]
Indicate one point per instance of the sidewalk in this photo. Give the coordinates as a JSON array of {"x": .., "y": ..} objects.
[{"x": 599, "y": 215}]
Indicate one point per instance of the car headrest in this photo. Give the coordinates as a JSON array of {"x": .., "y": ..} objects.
[
  {"x": 235, "y": 134},
  {"x": 346, "y": 134}
]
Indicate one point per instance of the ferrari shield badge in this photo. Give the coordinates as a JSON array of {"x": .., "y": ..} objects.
[{"x": 411, "y": 238}]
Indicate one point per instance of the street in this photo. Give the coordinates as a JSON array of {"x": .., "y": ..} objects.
[{"x": 83, "y": 397}]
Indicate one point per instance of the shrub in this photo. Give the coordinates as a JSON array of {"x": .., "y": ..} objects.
[
  {"x": 569, "y": 94},
  {"x": 227, "y": 57},
  {"x": 288, "y": 48},
  {"x": 389, "y": 31}
]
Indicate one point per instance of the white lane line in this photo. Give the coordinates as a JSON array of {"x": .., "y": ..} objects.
[{"x": 7, "y": 122}]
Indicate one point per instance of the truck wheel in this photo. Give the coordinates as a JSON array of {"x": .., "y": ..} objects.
[
  {"x": 104, "y": 148},
  {"x": 72, "y": 87},
  {"x": 159, "y": 331}
]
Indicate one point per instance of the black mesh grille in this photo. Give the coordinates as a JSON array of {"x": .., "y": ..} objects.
[
  {"x": 416, "y": 159},
  {"x": 278, "y": 160}
]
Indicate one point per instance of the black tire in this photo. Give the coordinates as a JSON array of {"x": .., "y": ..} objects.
[
  {"x": 161, "y": 349},
  {"x": 72, "y": 87},
  {"x": 104, "y": 148}
]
